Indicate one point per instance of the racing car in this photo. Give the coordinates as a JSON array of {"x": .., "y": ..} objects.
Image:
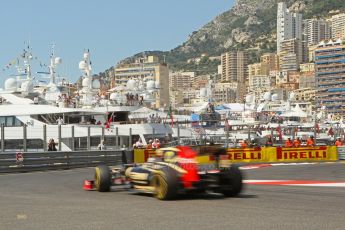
[{"x": 171, "y": 172}]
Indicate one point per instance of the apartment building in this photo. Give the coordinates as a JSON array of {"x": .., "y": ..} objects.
[
  {"x": 289, "y": 25},
  {"x": 338, "y": 26},
  {"x": 143, "y": 69},
  {"x": 292, "y": 46},
  {"x": 330, "y": 76},
  {"x": 288, "y": 62},
  {"x": 271, "y": 59},
  {"x": 260, "y": 83},
  {"x": 316, "y": 30},
  {"x": 181, "y": 80},
  {"x": 225, "y": 92},
  {"x": 234, "y": 66}
]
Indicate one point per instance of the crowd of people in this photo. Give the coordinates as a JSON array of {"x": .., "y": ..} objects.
[
  {"x": 289, "y": 143},
  {"x": 152, "y": 144},
  {"x": 132, "y": 99}
]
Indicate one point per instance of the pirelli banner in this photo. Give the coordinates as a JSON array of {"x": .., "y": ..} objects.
[
  {"x": 264, "y": 154},
  {"x": 276, "y": 154}
]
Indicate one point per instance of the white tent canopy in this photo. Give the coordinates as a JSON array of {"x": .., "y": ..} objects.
[
  {"x": 144, "y": 112},
  {"x": 295, "y": 112}
]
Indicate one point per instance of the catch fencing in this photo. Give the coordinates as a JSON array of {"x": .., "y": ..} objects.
[{"x": 40, "y": 161}]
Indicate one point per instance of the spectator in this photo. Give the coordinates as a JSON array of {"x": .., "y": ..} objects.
[
  {"x": 60, "y": 121},
  {"x": 52, "y": 145},
  {"x": 310, "y": 141},
  {"x": 338, "y": 142},
  {"x": 297, "y": 142},
  {"x": 138, "y": 144},
  {"x": 288, "y": 143},
  {"x": 156, "y": 144},
  {"x": 149, "y": 146},
  {"x": 244, "y": 144},
  {"x": 102, "y": 145}
]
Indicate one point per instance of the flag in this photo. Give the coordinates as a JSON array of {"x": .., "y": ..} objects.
[
  {"x": 170, "y": 114},
  {"x": 107, "y": 124},
  {"x": 330, "y": 132}
]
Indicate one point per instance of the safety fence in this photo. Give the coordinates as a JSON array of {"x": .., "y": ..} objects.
[
  {"x": 40, "y": 161},
  {"x": 259, "y": 154}
]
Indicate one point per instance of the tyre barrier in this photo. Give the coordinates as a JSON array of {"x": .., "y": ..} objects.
[{"x": 53, "y": 160}]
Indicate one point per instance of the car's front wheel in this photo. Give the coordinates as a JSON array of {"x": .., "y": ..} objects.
[
  {"x": 102, "y": 178},
  {"x": 165, "y": 184}
]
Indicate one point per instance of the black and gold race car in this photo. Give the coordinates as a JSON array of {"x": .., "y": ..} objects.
[{"x": 170, "y": 172}]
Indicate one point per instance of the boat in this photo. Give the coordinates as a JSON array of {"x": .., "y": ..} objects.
[{"x": 77, "y": 119}]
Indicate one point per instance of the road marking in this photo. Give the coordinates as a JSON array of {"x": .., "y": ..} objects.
[
  {"x": 256, "y": 166},
  {"x": 310, "y": 183}
]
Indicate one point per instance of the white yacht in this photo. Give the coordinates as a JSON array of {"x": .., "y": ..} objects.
[{"x": 74, "y": 119}]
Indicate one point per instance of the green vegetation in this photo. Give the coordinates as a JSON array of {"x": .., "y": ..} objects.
[{"x": 321, "y": 8}]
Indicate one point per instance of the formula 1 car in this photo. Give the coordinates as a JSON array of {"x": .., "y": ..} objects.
[{"x": 172, "y": 171}]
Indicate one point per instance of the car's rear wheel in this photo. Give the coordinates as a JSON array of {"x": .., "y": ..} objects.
[
  {"x": 102, "y": 178},
  {"x": 165, "y": 183},
  {"x": 231, "y": 181}
]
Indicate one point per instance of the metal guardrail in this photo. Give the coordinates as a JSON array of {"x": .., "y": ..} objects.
[
  {"x": 40, "y": 161},
  {"x": 341, "y": 152}
]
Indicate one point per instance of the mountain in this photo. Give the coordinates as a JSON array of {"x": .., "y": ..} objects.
[{"x": 250, "y": 25}]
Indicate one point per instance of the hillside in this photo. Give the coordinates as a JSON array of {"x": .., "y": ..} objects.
[{"x": 250, "y": 25}]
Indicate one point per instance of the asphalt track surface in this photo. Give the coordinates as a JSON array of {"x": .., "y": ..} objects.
[{"x": 56, "y": 200}]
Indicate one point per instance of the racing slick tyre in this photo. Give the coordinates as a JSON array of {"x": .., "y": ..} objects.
[
  {"x": 102, "y": 178},
  {"x": 231, "y": 181},
  {"x": 165, "y": 183}
]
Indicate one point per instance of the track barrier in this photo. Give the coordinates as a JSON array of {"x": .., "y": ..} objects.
[
  {"x": 53, "y": 160},
  {"x": 260, "y": 154},
  {"x": 39, "y": 161}
]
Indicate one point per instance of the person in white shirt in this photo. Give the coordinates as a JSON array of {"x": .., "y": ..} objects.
[
  {"x": 138, "y": 144},
  {"x": 102, "y": 146},
  {"x": 60, "y": 121}
]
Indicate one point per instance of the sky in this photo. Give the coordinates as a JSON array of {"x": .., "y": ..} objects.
[{"x": 111, "y": 29}]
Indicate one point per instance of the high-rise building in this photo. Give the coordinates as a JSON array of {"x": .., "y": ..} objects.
[
  {"x": 338, "y": 26},
  {"x": 234, "y": 66},
  {"x": 181, "y": 80},
  {"x": 148, "y": 68},
  {"x": 288, "y": 62},
  {"x": 235, "y": 70},
  {"x": 289, "y": 25},
  {"x": 292, "y": 46},
  {"x": 316, "y": 30},
  {"x": 330, "y": 76}
]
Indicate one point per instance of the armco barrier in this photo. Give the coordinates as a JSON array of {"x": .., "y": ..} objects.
[
  {"x": 341, "y": 152},
  {"x": 264, "y": 154},
  {"x": 38, "y": 161}
]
